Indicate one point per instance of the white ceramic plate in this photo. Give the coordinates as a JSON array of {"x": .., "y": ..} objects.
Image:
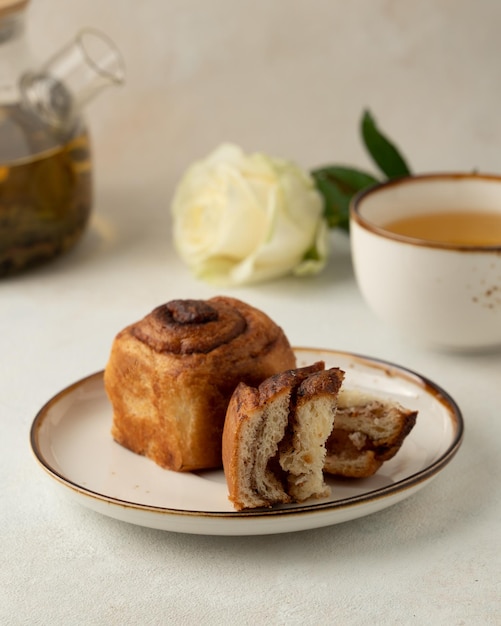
[{"x": 71, "y": 440}]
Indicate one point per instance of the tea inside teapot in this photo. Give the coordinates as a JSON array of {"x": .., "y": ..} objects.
[
  {"x": 45, "y": 189},
  {"x": 45, "y": 156}
]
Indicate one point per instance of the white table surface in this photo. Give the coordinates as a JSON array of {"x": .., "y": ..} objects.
[{"x": 434, "y": 558}]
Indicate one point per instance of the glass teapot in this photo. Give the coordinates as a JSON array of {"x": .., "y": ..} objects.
[{"x": 45, "y": 159}]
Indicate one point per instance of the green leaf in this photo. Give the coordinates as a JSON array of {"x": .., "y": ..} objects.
[
  {"x": 350, "y": 178},
  {"x": 382, "y": 150},
  {"x": 337, "y": 185}
]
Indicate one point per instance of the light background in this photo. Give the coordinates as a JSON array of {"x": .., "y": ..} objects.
[{"x": 288, "y": 77}]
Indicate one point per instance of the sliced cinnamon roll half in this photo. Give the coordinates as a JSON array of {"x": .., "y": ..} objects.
[{"x": 274, "y": 437}]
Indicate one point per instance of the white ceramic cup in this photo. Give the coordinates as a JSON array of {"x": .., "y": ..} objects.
[{"x": 444, "y": 295}]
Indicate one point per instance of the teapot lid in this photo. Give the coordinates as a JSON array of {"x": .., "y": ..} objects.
[{"x": 12, "y": 6}]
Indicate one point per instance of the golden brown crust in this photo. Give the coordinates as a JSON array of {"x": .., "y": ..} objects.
[
  {"x": 243, "y": 403},
  {"x": 289, "y": 379},
  {"x": 321, "y": 382},
  {"x": 189, "y": 326},
  {"x": 170, "y": 376}
]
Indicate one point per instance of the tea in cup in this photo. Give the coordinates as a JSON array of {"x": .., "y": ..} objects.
[{"x": 427, "y": 257}]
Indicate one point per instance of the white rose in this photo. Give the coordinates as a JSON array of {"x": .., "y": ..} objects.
[{"x": 241, "y": 218}]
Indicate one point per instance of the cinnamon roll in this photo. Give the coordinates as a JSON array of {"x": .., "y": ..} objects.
[
  {"x": 274, "y": 437},
  {"x": 170, "y": 376}
]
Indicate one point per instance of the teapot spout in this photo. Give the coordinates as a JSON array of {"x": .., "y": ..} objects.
[{"x": 59, "y": 89}]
